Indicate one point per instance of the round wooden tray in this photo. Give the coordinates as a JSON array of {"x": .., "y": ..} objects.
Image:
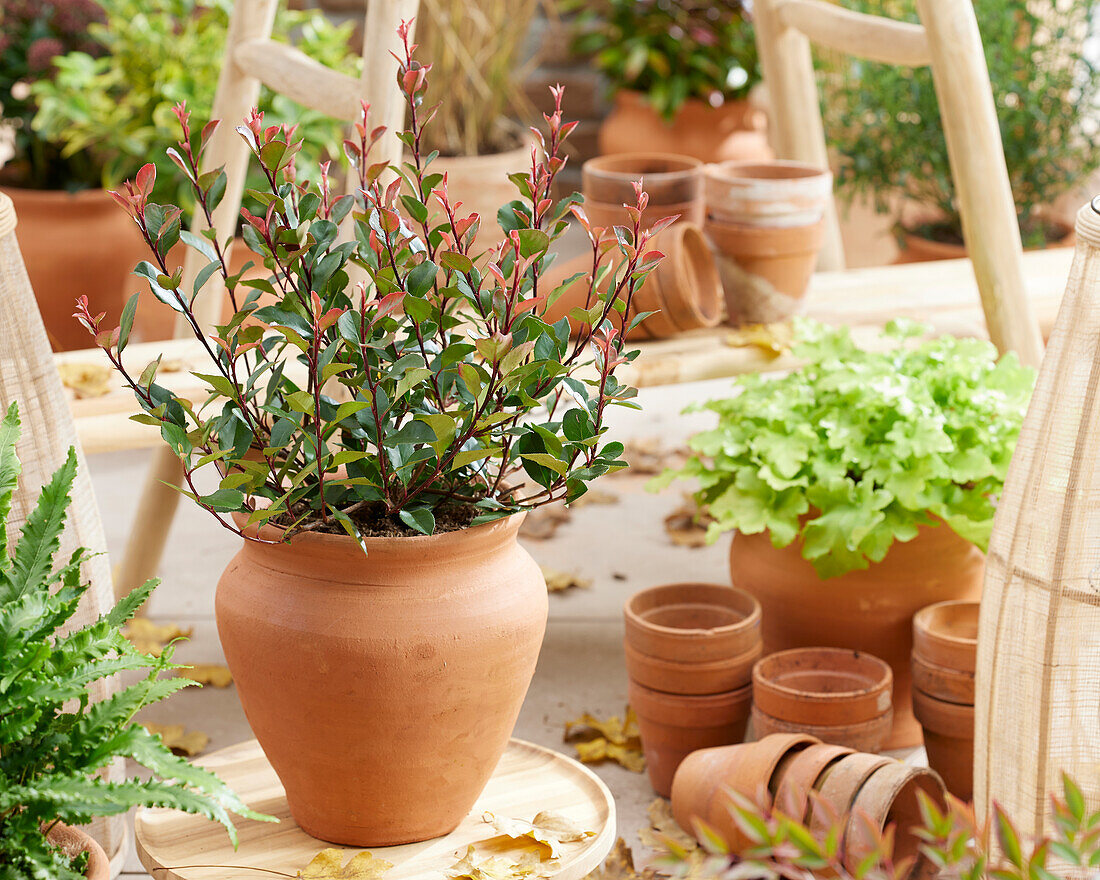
[{"x": 528, "y": 779}]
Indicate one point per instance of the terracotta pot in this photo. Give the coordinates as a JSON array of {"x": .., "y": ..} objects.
[
  {"x": 73, "y": 842},
  {"x": 676, "y": 677},
  {"x": 839, "y": 785},
  {"x": 673, "y": 726},
  {"x": 481, "y": 183},
  {"x": 775, "y": 194},
  {"x": 916, "y": 248},
  {"x": 799, "y": 777},
  {"x": 765, "y": 271},
  {"x": 861, "y": 736},
  {"x": 76, "y": 244},
  {"x": 372, "y": 678},
  {"x": 700, "y": 789},
  {"x": 733, "y": 130},
  {"x": 865, "y": 610},
  {"x": 684, "y": 290},
  {"x": 951, "y": 685},
  {"x": 949, "y": 741},
  {"x": 891, "y": 796},
  {"x": 947, "y": 634},
  {"x": 822, "y": 686},
  {"x": 692, "y": 623},
  {"x": 674, "y": 184}
]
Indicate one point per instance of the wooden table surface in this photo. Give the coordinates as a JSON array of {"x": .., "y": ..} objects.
[{"x": 942, "y": 293}]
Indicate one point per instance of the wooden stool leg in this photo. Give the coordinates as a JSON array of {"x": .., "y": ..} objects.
[{"x": 152, "y": 522}]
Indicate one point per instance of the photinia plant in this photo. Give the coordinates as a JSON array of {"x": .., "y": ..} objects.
[
  {"x": 426, "y": 393},
  {"x": 858, "y": 448}
]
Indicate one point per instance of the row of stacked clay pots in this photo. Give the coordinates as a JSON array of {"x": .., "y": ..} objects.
[
  {"x": 945, "y": 650},
  {"x": 786, "y": 768}
]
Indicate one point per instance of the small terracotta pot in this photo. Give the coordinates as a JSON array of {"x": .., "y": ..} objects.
[
  {"x": 839, "y": 785},
  {"x": 667, "y": 178},
  {"x": 866, "y": 610},
  {"x": 950, "y": 685},
  {"x": 700, "y": 789},
  {"x": 709, "y": 677},
  {"x": 822, "y": 686},
  {"x": 684, "y": 290},
  {"x": 949, "y": 741},
  {"x": 767, "y": 194},
  {"x": 73, "y": 842},
  {"x": 799, "y": 777},
  {"x": 372, "y": 678},
  {"x": 692, "y": 623},
  {"x": 673, "y": 726},
  {"x": 733, "y": 130},
  {"x": 946, "y": 634},
  {"x": 891, "y": 797},
  {"x": 765, "y": 271},
  {"x": 862, "y": 736}
]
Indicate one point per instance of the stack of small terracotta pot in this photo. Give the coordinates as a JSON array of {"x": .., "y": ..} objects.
[
  {"x": 863, "y": 787},
  {"x": 835, "y": 694},
  {"x": 690, "y": 650},
  {"x": 945, "y": 650}
]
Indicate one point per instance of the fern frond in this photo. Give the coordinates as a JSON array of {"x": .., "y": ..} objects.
[
  {"x": 9, "y": 475},
  {"x": 128, "y": 605}
]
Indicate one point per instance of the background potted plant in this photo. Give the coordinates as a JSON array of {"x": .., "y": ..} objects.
[
  {"x": 53, "y": 742},
  {"x": 106, "y": 106},
  {"x": 681, "y": 74},
  {"x": 861, "y": 487},
  {"x": 415, "y": 416},
  {"x": 883, "y": 123}
]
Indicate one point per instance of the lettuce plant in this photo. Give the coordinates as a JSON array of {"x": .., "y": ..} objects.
[
  {"x": 53, "y": 742},
  {"x": 429, "y": 389},
  {"x": 857, "y": 449}
]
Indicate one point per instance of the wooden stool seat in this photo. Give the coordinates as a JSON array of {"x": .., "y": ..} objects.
[{"x": 528, "y": 780}]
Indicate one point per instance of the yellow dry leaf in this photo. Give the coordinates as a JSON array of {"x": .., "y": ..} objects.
[
  {"x": 208, "y": 674},
  {"x": 562, "y": 827},
  {"x": 771, "y": 338},
  {"x": 619, "y": 865},
  {"x": 526, "y": 834},
  {"x": 558, "y": 581},
  {"x": 181, "y": 741},
  {"x": 615, "y": 740},
  {"x": 86, "y": 380},
  {"x": 172, "y": 365},
  {"x": 665, "y": 827},
  {"x": 471, "y": 867},
  {"x": 595, "y": 496},
  {"x": 328, "y": 864},
  {"x": 542, "y": 524},
  {"x": 150, "y": 638},
  {"x": 599, "y": 749},
  {"x": 687, "y": 525}
]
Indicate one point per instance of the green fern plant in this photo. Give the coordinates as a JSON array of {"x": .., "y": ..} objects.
[{"x": 53, "y": 740}]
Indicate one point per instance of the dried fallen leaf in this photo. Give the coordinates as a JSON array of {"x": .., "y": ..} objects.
[
  {"x": 150, "y": 638},
  {"x": 562, "y": 827},
  {"x": 615, "y": 740},
  {"x": 172, "y": 365},
  {"x": 471, "y": 867},
  {"x": 772, "y": 338},
  {"x": 599, "y": 749},
  {"x": 183, "y": 742},
  {"x": 649, "y": 455},
  {"x": 619, "y": 865},
  {"x": 542, "y": 523},
  {"x": 559, "y": 581},
  {"x": 665, "y": 827},
  {"x": 328, "y": 864},
  {"x": 208, "y": 674},
  {"x": 595, "y": 496},
  {"x": 687, "y": 525},
  {"x": 86, "y": 380}
]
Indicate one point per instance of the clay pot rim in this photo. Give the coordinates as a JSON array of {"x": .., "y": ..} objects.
[
  {"x": 885, "y": 785},
  {"x": 824, "y": 731},
  {"x": 762, "y": 676},
  {"x": 700, "y": 272},
  {"x": 68, "y": 838},
  {"x": 684, "y": 172},
  {"x": 694, "y": 701},
  {"x": 745, "y": 659},
  {"x": 950, "y": 673},
  {"x": 784, "y": 174},
  {"x": 941, "y": 716},
  {"x": 640, "y": 97},
  {"x": 931, "y": 621},
  {"x": 751, "y": 620}
]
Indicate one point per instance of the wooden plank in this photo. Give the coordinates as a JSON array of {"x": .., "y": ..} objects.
[
  {"x": 855, "y": 33},
  {"x": 528, "y": 780}
]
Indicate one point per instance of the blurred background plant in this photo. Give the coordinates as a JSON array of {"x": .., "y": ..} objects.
[
  {"x": 32, "y": 34},
  {"x": 116, "y": 107},
  {"x": 670, "y": 50},
  {"x": 479, "y": 62},
  {"x": 883, "y": 121}
]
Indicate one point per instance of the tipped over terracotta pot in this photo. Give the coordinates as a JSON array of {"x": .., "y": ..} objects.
[
  {"x": 383, "y": 686},
  {"x": 73, "y": 842}
]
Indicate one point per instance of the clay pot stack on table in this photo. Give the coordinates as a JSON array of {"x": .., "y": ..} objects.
[
  {"x": 788, "y": 767},
  {"x": 766, "y": 223},
  {"x": 945, "y": 648},
  {"x": 690, "y": 650},
  {"x": 840, "y": 696}
]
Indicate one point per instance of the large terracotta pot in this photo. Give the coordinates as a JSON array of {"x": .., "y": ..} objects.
[
  {"x": 672, "y": 182},
  {"x": 734, "y": 130},
  {"x": 383, "y": 686},
  {"x": 870, "y": 610},
  {"x": 916, "y": 248},
  {"x": 76, "y": 244},
  {"x": 73, "y": 842}
]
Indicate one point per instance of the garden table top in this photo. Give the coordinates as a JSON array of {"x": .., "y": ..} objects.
[
  {"x": 942, "y": 293},
  {"x": 528, "y": 780}
]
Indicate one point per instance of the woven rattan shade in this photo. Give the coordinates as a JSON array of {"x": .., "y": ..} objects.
[
  {"x": 28, "y": 375},
  {"x": 1038, "y": 675}
]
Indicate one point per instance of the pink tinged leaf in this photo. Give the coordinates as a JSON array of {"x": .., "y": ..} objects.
[
  {"x": 529, "y": 304},
  {"x": 389, "y": 304},
  {"x": 329, "y": 318},
  {"x": 257, "y": 223},
  {"x": 208, "y": 131},
  {"x": 663, "y": 223},
  {"x": 145, "y": 179},
  {"x": 376, "y": 133},
  {"x": 125, "y": 202}
]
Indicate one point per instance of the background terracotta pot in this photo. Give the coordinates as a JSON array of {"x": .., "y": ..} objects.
[
  {"x": 916, "y": 248},
  {"x": 734, "y": 130},
  {"x": 673, "y": 726},
  {"x": 372, "y": 679},
  {"x": 76, "y": 244},
  {"x": 693, "y": 677},
  {"x": 943, "y": 683},
  {"x": 673, "y": 182},
  {"x": 947, "y": 634},
  {"x": 862, "y": 736},
  {"x": 73, "y": 842},
  {"x": 949, "y": 741},
  {"x": 800, "y": 776},
  {"x": 776, "y": 194},
  {"x": 822, "y": 686},
  {"x": 870, "y": 610},
  {"x": 692, "y": 622},
  {"x": 840, "y": 785}
]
